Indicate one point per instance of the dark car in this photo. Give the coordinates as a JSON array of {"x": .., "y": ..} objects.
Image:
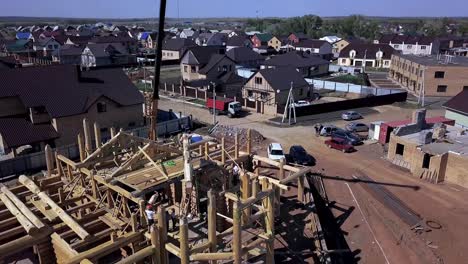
[
  {"x": 339, "y": 144},
  {"x": 298, "y": 155},
  {"x": 348, "y": 136}
]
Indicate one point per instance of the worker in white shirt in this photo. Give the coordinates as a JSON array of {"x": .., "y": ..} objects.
[{"x": 150, "y": 214}]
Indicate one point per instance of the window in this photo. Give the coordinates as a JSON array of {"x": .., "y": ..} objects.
[
  {"x": 258, "y": 80},
  {"x": 400, "y": 149},
  {"x": 343, "y": 61},
  {"x": 185, "y": 68},
  {"x": 301, "y": 91},
  {"x": 439, "y": 75},
  {"x": 426, "y": 161},
  {"x": 396, "y": 46},
  {"x": 386, "y": 63},
  {"x": 193, "y": 68},
  {"x": 409, "y": 46},
  {"x": 420, "y": 73},
  {"x": 423, "y": 47},
  {"x": 249, "y": 93},
  {"x": 131, "y": 124},
  {"x": 101, "y": 107},
  {"x": 225, "y": 68},
  {"x": 442, "y": 88}
]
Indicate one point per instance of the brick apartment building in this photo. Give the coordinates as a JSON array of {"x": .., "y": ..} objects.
[{"x": 436, "y": 75}]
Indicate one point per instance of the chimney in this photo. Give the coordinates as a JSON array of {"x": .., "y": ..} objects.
[{"x": 419, "y": 118}]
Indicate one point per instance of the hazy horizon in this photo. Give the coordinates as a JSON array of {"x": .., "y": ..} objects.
[{"x": 137, "y": 9}]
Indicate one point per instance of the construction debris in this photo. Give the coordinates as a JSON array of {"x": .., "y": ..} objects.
[{"x": 221, "y": 131}]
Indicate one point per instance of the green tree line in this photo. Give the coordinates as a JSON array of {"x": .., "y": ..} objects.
[{"x": 357, "y": 26}]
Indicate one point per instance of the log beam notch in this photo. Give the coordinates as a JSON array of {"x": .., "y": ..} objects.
[{"x": 66, "y": 218}]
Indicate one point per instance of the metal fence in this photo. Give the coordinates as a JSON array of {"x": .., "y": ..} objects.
[
  {"x": 36, "y": 161},
  {"x": 352, "y": 88}
]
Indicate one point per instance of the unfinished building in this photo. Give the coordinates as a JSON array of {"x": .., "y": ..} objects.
[
  {"x": 95, "y": 210},
  {"x": 435, "y": 153}
]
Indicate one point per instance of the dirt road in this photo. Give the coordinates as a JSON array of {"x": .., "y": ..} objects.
[{"x": 373, "y": 231}]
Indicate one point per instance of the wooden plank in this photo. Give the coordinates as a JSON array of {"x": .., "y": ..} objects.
[
  {"x": 211, "y": 256},
  {"x": 83, "y": 234},
  {"x": 173, "y": 249},
  {"x": 23, "y": 208},
  {"x": 23, "y": 220}
]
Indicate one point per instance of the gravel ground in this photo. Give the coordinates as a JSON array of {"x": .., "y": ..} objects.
[{"x": 373, "y": 232}]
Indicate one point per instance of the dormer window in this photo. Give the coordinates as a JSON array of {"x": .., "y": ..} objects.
[
  {"x": 101, "y": 107},
  {"x": 379, "y": 54},
  {"x": 352, "y": 54}
]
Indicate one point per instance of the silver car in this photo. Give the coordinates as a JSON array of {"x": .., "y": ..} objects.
[
  {"x": 351, "y": 115},
  {"x": 357, "y": 127}
]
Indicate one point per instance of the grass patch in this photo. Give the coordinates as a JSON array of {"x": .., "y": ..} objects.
[{"x": 358, "y": 79}]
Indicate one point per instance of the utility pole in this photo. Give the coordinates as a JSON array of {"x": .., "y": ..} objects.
[
  {"x": 290, "y": 106},
  {"x": 153, "y": 135}
]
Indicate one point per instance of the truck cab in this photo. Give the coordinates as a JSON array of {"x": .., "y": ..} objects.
[{"x": 234, "y": 109}]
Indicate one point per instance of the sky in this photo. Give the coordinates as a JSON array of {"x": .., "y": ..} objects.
[{"x": 231, "y": 8}]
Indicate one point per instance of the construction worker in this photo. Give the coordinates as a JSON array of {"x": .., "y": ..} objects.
[{"x": 149, "y": 214}]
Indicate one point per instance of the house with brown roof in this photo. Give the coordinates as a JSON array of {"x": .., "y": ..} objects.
[
  {"x": 195, "y": 59},
  {"x": 308, "y": 65},
  {"x": 268, "y": 88},
  {"x": 46, "y": 105},
  {"x": 245, "y": 57},
  {"x": 367, "y": 55}
]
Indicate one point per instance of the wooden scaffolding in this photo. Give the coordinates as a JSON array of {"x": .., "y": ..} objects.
[{"x": 93, "y": 210}]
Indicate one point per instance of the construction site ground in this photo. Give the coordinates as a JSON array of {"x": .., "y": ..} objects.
[{"x": 365, "y": 191}]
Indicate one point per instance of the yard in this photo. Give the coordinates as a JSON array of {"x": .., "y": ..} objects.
[{"x": 359, "y": 79}]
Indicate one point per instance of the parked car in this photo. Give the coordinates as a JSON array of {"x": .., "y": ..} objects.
[
  {"x": 298, "y": 155},
  {"x": 301, "y": 103},
  {"x": 351, "y": 115},
  {"x": 348, "y": 136},
  {"x": 357, "y": 127},
  {"x": 327, "y": 130},
  {"x": 339, "y": 144},
  {"x": 275, "y": 151}
]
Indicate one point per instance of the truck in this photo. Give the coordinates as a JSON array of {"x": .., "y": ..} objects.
[{"x": 222, "y": 105}]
